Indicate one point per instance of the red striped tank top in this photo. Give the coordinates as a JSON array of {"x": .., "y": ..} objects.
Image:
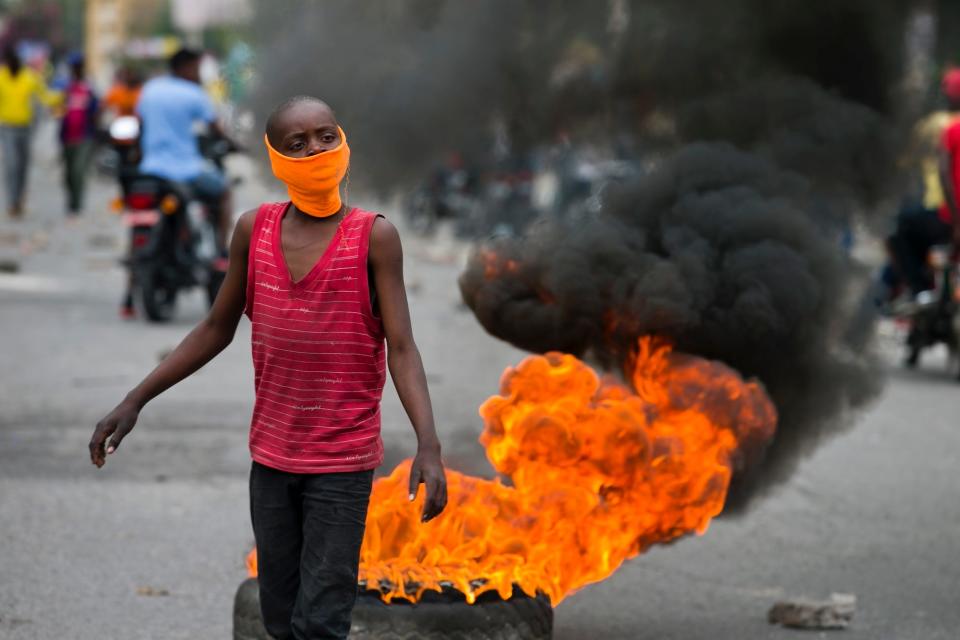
[{"x": 318, "y": 352}]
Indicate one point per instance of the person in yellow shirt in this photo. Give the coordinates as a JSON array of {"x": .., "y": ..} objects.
[{"x": 20, "y": 87}]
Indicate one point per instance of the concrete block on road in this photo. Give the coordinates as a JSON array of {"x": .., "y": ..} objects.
[{"x": 835, "y": 613}]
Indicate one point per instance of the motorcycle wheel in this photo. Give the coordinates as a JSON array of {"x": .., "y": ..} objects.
[
  {"x": 157, "y": 296},
  {"x": 953, "y": 361},
  {"x": 912, "y": 358}
]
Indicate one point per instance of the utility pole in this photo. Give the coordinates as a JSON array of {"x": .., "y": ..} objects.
[{"x": 105, "y": 36}]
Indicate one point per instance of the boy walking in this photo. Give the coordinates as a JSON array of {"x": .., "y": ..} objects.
[{"x": 322, "y": 284}]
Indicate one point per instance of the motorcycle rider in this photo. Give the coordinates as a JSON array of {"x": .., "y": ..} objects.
[
  {"x": 124, "y": 93},
  {"x": 77, "y": 133},
  {"x": 121, "y": 102},
  {"x": 922, "y": 225},
  {"x": 169, "y": 108}
]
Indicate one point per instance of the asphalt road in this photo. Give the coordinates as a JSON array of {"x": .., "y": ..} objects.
[{"x": 87, "y": 554}]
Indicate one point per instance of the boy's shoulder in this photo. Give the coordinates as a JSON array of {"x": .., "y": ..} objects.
[
  {"x": 366, "y": 213},
  {"x": 373, "y": 221},
  {"x": 250, "y": 220},
  {"x": 266, "y": 210}
]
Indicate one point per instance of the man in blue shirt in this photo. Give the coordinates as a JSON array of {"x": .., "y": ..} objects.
[{"x": 170, "y": 108}]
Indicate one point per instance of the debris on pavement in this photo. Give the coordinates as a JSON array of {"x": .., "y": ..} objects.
[
  {"x": 14, "y": 622},
  {"x": 9, "y": 266},
  {"x": 152, "y": 592},
  {"x": 835, "y": 613}
]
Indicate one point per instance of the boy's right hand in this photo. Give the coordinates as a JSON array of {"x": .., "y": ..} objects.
[{"x": 118, "y": 423}]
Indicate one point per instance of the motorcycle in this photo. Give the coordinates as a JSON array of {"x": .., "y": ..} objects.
[
  {"x": 933, "y": 318},
  {"x": 449, "y": 195},
  {"x": 507, "y": 206},
  {"x": 173, "y": 238},
  {"x": 172, "y": 245},
  {"x": 579, "y": 188}
]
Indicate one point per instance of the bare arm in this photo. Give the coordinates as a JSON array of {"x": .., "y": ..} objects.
[
  {"x": 48, "y": 97},
  {"x": 406, "y": 366},
  {"x": 207, "y": 339}
]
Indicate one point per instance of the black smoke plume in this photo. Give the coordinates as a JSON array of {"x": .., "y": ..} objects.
[{"x": 772, "y": 126}]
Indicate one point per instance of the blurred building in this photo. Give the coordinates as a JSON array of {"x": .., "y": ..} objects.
[
  {"x": 109, "y": 28},
  {"x": 194, "y": 16},
  {"x": 141, "y": 29}
]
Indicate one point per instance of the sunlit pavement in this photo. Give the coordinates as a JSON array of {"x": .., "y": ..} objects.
[{"x": 152, "y": 545}]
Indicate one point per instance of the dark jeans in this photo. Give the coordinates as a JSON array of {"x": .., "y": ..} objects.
[
  {"x": 308, "y": 529},
  {"x": 76, "y": 159},
  {"x": 918, "y": 229}
]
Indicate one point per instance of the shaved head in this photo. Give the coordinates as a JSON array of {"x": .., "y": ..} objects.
[{"x": 276, "y": 127}]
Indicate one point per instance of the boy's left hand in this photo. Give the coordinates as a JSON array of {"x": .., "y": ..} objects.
[{"x": 428, "y": 469}]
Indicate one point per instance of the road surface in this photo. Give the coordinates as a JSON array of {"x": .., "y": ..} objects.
[{"x": 88, "y": 554}]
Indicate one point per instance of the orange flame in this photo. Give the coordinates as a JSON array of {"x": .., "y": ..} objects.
[
  {"x": 598, "y": 472},
  {"x": 252, "y": 563}
]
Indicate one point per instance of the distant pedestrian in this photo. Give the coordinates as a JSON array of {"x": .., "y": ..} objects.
[
  {"x": 20, "y": 87},
  {"x": 123, "y": 95},
  {"x": 77, "y": 134},
  {"x": 933, "y": 220}
]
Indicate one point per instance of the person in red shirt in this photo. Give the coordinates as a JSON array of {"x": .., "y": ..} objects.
[
  {"x": 949, "y": 213},
  {"x": 77, "y": 133},
  {"x": 322, "y": 284},
  {"x": 918, "y": 227}
]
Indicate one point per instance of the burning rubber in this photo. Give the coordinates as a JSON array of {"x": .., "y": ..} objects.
[
  {"x": 599, "y": 470},
  {"x": 435, "y": 616}
]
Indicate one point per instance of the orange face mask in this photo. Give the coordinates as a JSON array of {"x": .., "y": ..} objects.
[{"x": 313, "y": 182}]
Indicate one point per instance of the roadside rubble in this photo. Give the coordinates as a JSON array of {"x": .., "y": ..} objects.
[{"x": 835, "y": 613}]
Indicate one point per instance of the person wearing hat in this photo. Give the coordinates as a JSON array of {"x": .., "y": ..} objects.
[{"x": 77, "y": 133}]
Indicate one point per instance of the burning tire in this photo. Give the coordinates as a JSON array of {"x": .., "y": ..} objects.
[
  {"x": 447, "y": 615},
  {"x": 436, "y": 616},
  {"x": 247, "y": 623}
]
